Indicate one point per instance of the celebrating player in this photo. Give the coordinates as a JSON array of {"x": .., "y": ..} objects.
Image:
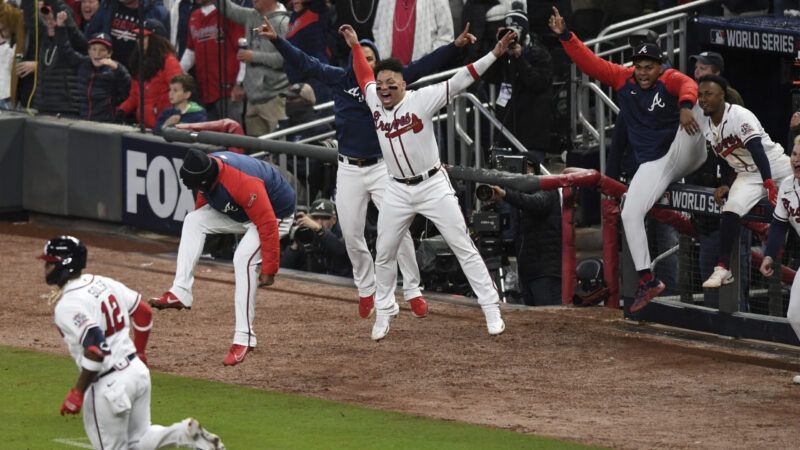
[
  {"x": 786, "y": 213},
  {"x": 418, "y": 185},
  {"x": 361, "y": 175},
  {"x": 94, "y": 315},
  {"x": 653, "y": 103},
  {"x": 737, "y": 136},
  {"x": 236, "y": 194}
]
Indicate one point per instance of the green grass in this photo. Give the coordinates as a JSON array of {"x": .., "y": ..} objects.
[{"x": 34, "y": 384}]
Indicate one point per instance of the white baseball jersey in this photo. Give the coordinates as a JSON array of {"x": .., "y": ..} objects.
[
  {"x": 788, "y": 207},
  {"x": 737, "y": 127},
  {"x": 90, "y": 301}
]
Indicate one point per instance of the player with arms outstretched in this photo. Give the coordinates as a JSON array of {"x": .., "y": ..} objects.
[
  {"x": 418, "y": 185},
  {"x": 94, "y": 315}
]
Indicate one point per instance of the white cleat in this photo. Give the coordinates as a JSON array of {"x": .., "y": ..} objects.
[
  {"x": 202, "y": 439},
  {"x": 382, "y": 321},
  {"x": 721, "y": 276},
  {"x": 796, "y": 379},
  {"x": 494, "y": 323}
]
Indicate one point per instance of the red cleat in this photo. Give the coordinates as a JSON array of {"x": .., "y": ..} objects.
[
  {"x": 167, "y": 301},
  {"x": 419, "y": 307},
  {"x": 366, "y": 306},
  {"x": 236, "y": 354}
]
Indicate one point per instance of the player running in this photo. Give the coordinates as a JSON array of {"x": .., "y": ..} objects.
[
  {"x": 656, "y": 105},
  {"x": 94, "y": 315},
  {"x": 736, "y": 135},
  {"x": 418, "y": 185},
  {"x": 787, "y": 212}
]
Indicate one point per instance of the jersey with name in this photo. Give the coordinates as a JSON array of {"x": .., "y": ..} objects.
[
  {"x": 94, "y": 301},
  {"x": 728, "y": 139}
]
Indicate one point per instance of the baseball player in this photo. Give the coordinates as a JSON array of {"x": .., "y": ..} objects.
[
  {"x": 94, "y": 315},
  {"x": 787, "y": 212},
  {"x": 361, "y": 174},
  {"x": 418, "y": 184},
  {"x": 236, "y": 194},
  {"x": 656, "y": 105},
  {"x": 736, "y": 135}
]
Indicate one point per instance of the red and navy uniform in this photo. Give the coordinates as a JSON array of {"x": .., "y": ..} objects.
[
  {"x": 248, "y": 189},
  {"x": 202, "y": 40},
  {"x": 652, "y": 115}
]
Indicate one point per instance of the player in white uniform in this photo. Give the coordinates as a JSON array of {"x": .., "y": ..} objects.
[
  {"x": 736, "y": 135},
  {"x": 787, "y": 212},
  {"x": 419, "y": 185},
  {"x": 94, "y": 315}
]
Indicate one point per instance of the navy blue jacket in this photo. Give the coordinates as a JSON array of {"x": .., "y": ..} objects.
[{"x": 355, "y": 129}]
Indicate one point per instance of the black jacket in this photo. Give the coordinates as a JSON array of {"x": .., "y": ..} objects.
[
  {"x": 538, "y": 234},
  {"x": 528, "y": 112},
  {"x": 327, "y": 254}
]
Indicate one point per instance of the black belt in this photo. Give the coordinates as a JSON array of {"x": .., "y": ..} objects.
[
  {"x": 419, "y": 178},
  {"x": 359, "y": 162},
  {"x": 114, "y": 368}
]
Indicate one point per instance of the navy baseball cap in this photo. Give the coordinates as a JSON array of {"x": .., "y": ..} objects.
[
  {"x": 153, "y": 26},
  {"x": 101, "y": 38},
  {"x": 647, "y": 50},
  {"x": 710, "y": 58}
]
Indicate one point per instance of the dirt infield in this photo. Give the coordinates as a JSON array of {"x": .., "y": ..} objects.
[{"x": 579, "y": 374}]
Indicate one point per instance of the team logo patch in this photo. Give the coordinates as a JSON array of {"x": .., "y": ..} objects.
[
  {"x": 746, "y": 128},
  {"x": 252, "y": 200},
  {"x": 79, "y": 320}
]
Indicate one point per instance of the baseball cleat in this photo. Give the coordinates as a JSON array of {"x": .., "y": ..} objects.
[
  {"x": 236, "y": 354},
  {"x": 645, "y": 293},
  {"x": 167, "y": 301},
  {"x": 419, "y": 307},
  {"x": 720, "y": 277},
  {"x": 494, "y": 323},
  {"x": 202, "y": 438},
  {"x": 381, "y": 327},
  {"x": 366, "y": 306}
]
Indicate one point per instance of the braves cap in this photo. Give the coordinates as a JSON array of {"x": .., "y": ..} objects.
[
  {"x": 101, "y": 38},
  {"x": 322, "y": 208},
  {"x": 710, "y": 58},
  {"x": 153, "y": 26},
  {"x": 647, "y": 50}
]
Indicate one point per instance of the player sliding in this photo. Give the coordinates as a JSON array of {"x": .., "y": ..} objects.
[
  {"x": 94, "y": 315},
  {"x": 653, "y": 102},
  {"x": 737, "y": 136},
  {"x": 786, "y": 213},
  {"x": 419, "y": 185}
]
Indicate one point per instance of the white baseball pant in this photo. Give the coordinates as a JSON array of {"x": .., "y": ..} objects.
[
  {"x": 116, "y": 413},
  {"x": 246, "y": 264},
  {"x": 748, "y": 188},
  {"x": 685, "y": 155},
  {"x": 355, "y": 186},
  {"x": 436, "y": 200},
  {"x": 793, "y": 313}
]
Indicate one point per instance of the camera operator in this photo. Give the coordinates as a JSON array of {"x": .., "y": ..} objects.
[
  {"x": 538, "y": 241},
  {"x": 317, "y": 243}
]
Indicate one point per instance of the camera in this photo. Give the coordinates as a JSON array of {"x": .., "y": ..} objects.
[
  {"x": 303, "y": 235},
  {"x": 504, "y": 160},
  {"x": 46, "y": 9},
  {"x": 504, "y": 31},
  {"x": 484, "y": 192}
]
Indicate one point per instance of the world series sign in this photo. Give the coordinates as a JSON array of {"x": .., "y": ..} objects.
[
  {"x": 763, "y": 34},
  {"x": 700, "y": 200}
]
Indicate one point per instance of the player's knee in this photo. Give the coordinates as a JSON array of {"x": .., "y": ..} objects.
[
  {"x": 191, "y": 220},
  {"x": 629, "y": 214}
]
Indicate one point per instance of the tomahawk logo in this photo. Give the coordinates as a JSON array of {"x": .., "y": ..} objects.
[{"x": 656, "y": 102}]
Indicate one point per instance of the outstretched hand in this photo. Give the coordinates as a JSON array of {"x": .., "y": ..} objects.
[
  {"x": 349, "y": 35},
  {"x": 267, "y": 31},
  {"x": 61, "y": 18},
  {"x": 556, "y": 22},
  {"x": 503, "y": 43},
  {"x": 465, "y": 38}
]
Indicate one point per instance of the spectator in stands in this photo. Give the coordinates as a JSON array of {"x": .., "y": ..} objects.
[
  {"x": 216, "y": 61},
  {"x": 119, "y": 18},
  {"x": 102, "y": 82},
  {"x": 179, "y": 13},
  {"x": 11, "y": 30},
  {"x": 538, "y": 242},
  {"x": 307, "y": 31},
  {"x": 88, "y": 10},
  {"x": 525, "y": 78},
  {"x": 264, "y": 77},
  {"x": 485, "y": 18},
  {"x": 160, "y": 66},
  {"x": 184, "y": 110},
  {"x": 712, "y": 63},
  {"x": 410, "y": 29},
  {"x": 794, "y": 126},
  {"x": 317, "y": 243},
  {"x": 360, "y": 14},
  {"x": 57, "y": 82}
]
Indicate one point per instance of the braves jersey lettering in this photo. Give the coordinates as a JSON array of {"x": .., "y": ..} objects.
[
  {"x": 727, "y": 145},
  {"x": 399, "y": 126},
  {"x": 792, "y": 212},
  {"x": 208, "y": 33}
]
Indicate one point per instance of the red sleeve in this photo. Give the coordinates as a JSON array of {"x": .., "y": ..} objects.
[
  {"x": 608, "y": 73},
  {"x": 680, "y": 86},
  {"x": 361, "y": 66},
  {"x": 249, "y": 193},
  {"x": 172, "y": 67},
  {"x": 200, "y": 201},
  {"x": 142, "y": 318},
  {"x": 190, "y": 36}
]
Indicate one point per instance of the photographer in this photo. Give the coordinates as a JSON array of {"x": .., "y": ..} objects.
[
  {"x": 317, "y": 243},
  {"x": 538, "y": 241}
]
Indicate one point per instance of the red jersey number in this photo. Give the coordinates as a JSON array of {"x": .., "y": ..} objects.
[{"x": 115, "y": 321}]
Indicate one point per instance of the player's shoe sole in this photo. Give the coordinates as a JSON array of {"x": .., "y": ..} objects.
[
  {"x": 645, "y": 294},
  {"x": 167, "y": 301}
]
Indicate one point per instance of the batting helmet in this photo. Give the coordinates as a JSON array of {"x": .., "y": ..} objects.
[
  {"x": 591, "y": 288},
  {"x": 69, "y": 256}
]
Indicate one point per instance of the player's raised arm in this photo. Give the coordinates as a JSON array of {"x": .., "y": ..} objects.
[
  {"x": 361, "y": 67},
  {"x": 472, "y": 72}
]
